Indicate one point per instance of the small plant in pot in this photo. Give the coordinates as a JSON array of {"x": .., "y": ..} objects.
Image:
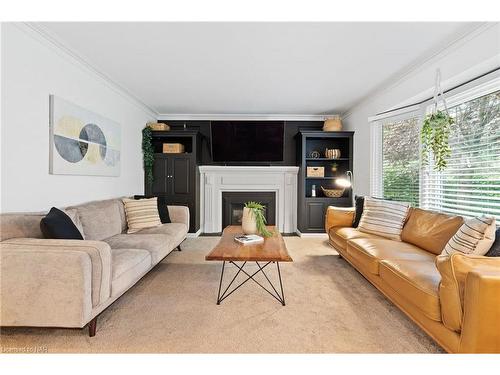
[
  {"x": 253, "y": 220},
  {"x": 435, "y": 137}
]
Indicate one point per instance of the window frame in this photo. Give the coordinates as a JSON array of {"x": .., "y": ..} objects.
[{"x": 467, "y": 92}]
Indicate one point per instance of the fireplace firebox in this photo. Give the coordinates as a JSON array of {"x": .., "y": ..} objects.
[{"x": 234, "y": 201}]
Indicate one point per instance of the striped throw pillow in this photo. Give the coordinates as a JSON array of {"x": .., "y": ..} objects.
[
  {"x": 141, "y": 214},
  {"x": 383, "y": 218},
  {"x": 475, "y": 236}
]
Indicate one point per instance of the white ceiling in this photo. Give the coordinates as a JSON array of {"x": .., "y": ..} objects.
[{"x": 253, "y": 68}]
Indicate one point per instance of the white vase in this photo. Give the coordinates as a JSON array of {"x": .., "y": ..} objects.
[{"x": 248, "y": 222}]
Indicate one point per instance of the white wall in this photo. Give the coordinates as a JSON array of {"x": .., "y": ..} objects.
[
  {"x": 32, "y": 69},
  {"x": 476, "y": 54}
]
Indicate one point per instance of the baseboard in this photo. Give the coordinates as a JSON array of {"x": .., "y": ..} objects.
[
  {"x": 300, "y": 234},
  {"x": 195, "y": 234}
]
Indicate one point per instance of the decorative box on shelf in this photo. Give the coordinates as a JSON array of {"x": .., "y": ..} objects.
[
  {"x": 173, "y": 148},
  {"x": 315, "y": 171}
]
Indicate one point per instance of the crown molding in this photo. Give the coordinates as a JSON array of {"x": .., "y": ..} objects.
[
  {"x": 419, "y": 64},
  {"x": 48, "y": 39},
  {"x": 241, "y": 117}
]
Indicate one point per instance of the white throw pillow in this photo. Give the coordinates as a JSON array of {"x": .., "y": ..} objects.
[
  {"x": 475, "y": 236},
  {"x": 383, "y": 218},
  {"x": 141, "y": 213}
]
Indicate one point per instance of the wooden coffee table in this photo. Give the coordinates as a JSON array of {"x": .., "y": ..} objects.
[{"x": 272, "y": 250}]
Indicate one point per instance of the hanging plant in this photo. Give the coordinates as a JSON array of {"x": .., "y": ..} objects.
[
  {"x": 435, "y": 132},
  {"x": 148, "y": 154},
  {"x": 260, "y": 220},
  {"x": 435, "y": 137}
]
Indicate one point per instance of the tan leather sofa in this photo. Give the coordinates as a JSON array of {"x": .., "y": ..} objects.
[
  {"x": 68, "y": 283},
  {"x": 455, "y": 299}
]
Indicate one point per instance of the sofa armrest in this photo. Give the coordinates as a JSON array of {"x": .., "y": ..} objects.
[
  {"x": 339, "y": 217},
  {"x": 481, "y": 324},
  {"x": 53, "y": 282},
  {"x": 179, "y": 214},
  {"x": 469, "y": 292}
]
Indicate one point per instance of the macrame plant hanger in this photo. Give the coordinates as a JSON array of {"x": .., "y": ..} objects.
[{"x": 438, "y": 93}]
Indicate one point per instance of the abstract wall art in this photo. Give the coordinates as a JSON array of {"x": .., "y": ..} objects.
[{"x": 82, "y": 142}]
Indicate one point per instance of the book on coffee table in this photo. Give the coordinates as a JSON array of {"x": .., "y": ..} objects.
[{"x": 247, "y": 239}]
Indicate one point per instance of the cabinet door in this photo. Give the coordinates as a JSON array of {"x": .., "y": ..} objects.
[
  {"x": 181, "y": 175},
  {"x": 160, "y": 173},
  {"x": 315, "y": 213}
]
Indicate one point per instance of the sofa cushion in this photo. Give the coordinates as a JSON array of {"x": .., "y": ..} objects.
[
  {"x": 141, "y": 213},
  {"x": 339, "y": 236},
  {"x": 415, "y": 280},
  {"x": 159, "y": 245},
  {"x": 177, "y": 232},
  {"x": 58, "y": 225},
  {"x": 21, "y": 225},
  {"x": 368, "y": 252},
  {"x": 494, "y": 250},
  {"x": 430, "y": 230},
  {"x": 128, "y": 266},
  {"x": 359, "y": 201},
  {"x": 101, "y": 219},
  {"x": 475, "y": 236},
  {"x": 162, "y": 207},
  {"x": 383, "y": 217}
]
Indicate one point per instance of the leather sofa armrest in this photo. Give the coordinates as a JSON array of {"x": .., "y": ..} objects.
[
  {"x": 481, "y": 324},
  {"x": 97, "y": 252},
  {"x": 468, "y": 292},
  {"x": 179, "y": 214},
  {"x": 339, "y": 217}
]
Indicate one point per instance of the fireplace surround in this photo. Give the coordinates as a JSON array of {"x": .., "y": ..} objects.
[{"x": 282, "y": 180}]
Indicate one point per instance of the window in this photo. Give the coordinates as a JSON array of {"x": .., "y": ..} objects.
[
  {"x": 398, "y": 177},
  {"x": 400, "y": 160},
  {"x": 470, "y": 185}
]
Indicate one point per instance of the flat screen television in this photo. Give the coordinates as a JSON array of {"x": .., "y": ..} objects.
[{"x": 247, "y": 141}]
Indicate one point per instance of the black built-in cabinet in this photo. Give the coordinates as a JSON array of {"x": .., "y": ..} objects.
[
  {"x": 301, "y": 137},
  {"x": 311, "y": 210},
  {"x": 176, "y": 176}
]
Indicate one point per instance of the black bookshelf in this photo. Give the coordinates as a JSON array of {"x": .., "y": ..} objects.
[{"x": 311, "y": 210}]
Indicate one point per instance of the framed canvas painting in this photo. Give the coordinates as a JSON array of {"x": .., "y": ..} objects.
[{"x": 82, "y": 142}]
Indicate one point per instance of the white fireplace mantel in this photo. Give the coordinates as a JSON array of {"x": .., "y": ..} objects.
[{"x": 217, "y": 179}]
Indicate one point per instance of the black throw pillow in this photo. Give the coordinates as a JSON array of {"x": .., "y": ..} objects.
[
  {"x": 162, "y": 207},
  {"x": 57, "y": 225},
  {"x": 359, "y": 202},
  {"x": 494, "y": 251}
]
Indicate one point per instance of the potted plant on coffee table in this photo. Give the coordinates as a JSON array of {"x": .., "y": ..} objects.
[{"x": 253, "y": 220}]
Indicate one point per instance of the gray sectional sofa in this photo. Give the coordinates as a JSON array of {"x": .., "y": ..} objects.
[{"x": 68, "y": 283}]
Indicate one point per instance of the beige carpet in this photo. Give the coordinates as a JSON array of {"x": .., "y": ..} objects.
[{"x": 330, "y": 308}]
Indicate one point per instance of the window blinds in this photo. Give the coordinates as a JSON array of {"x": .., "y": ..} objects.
[{"x": 470, "y": 185}]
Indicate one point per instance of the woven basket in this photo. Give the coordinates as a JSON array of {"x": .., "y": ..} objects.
[
  {"x": 333, "y": 124},
  {"x": 333, "y": 193},
  {"x": 159, "y": 126}
]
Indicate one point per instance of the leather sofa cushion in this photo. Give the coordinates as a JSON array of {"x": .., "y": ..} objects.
[
  {"x": 430, "y": 230},
  {"x": 128, "y": 266},
  {"x": 415, "y": 280},
  {"x": 368, "y": 252},
  {"x": 339, "y": 236},
  {"x": 177, "y": 231},
  {"x": 158, "y": 245}
]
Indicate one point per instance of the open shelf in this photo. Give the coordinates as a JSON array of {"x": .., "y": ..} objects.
[
  {"x": 311, "y": 210},
  {"x": 326, "y": 159},
  {"x": 322, "y": 178}
]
